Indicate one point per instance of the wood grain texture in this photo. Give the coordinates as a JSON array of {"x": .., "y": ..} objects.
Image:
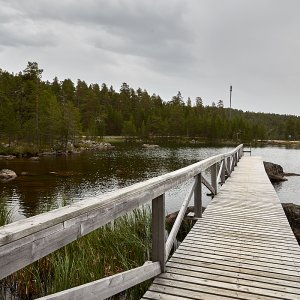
[
  {"x": 179, "y": 218},
  {"x": 241, "y": 248},
  {"x": 25, "y": 241},
  {"x": 108, "y": 286},
  {"x": 158, "y": 231}
]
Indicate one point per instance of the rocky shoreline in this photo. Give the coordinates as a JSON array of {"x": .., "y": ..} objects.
[{"x": 71, "y": 149}]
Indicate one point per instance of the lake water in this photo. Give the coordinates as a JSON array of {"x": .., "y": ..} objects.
[{"x": 56, "y": 181}]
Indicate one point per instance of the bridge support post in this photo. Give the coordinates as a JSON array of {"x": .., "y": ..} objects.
[
  {"x": 228, "y": 166},
  {"x": 236, "y": 159},
  {"x": 158, "y": 231},
  {"x": 241, "y": 152},
  {"x": 214, "y": 174},
  {"x": 198, "y": 197},
  {"x": 223, "y": 172}
]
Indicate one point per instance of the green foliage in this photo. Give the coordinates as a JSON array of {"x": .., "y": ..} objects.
[
  {"x": 5, "y": 212},
  {"x": 45, "y": 114},
  {"x": 116, "y": 247},
  {"x": 129, "y": 128}
]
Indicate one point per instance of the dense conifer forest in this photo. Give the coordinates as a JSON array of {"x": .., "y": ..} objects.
[{"x": 50, "y": 114}]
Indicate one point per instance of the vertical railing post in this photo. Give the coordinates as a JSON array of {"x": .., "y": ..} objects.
[
  {"x": 198, "y": 197},
  {"x": 235, "y": 159},
  {"x": 158, "y": 231},
  {"x": 228, "y": 166},
  {"x": 214, "y": 173},
  {"x": 223, "y": 172},
  {"x": 233, "y": 163}
]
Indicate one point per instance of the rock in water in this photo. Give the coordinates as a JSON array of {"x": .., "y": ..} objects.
[
  {"x": 7, "y": 175},
  {"x": 274, "y": 171},
  {"x": 34, "y": 158},
  {"x": 292, "y": 212},
  {"x": 150, "y": 146}
]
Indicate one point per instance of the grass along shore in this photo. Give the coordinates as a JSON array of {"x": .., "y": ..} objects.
[{"x": 116, "y": 247}]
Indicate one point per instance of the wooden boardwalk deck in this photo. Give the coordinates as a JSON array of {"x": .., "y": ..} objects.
[{"x": 242, "y": 248}]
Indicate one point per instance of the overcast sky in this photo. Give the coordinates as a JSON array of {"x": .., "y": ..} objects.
[{"x": 198, "y": 47}]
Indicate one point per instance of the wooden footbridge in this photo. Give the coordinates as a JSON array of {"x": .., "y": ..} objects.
[{"x": 241, "y": 248}]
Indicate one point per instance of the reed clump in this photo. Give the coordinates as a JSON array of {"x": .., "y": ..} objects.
[
  {"x": 121, "y": 245},
  {"x": 5, "y": 212}
]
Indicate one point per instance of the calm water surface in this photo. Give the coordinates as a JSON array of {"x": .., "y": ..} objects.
[{"x": 56, "y": 181}]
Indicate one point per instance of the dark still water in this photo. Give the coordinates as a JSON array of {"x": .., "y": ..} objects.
[{"x": 57, "y": 181}]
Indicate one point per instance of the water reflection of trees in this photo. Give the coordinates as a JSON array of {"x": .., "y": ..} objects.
[{"x": 55, "y": 182}]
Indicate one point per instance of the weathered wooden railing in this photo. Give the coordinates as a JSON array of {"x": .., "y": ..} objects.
[{"x": 25, "y": 241}]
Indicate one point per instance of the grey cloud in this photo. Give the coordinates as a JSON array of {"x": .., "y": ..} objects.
[
  {"x": 197, "y": 46},
  {"x": 9, "y": 38},
  {"x": 149, "y": 29},
  {"x": 18, "y": 30}
]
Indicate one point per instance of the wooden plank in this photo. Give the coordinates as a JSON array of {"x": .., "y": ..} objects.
[
  {"x": 232, "y": 165},
  {"x": 236, "y": 268},
  {"x": 160, "y": 296},
  {"x": 223, "y": 171},
  {"x": 260, "y": 233},
  {"x": 179, "y": 218},
  {"x": 195, "y": 290},
  {"x": 255, "y": 264},
  {"x": 235, "y": 286},
  {"x": 199, "y": 271},
  {"x": 163, "y": 289},
  {"x": 280, "y": 263},
  {"x": 213, "y": 175},
  {"x": 158, "y": 231},
  {"x": 228, "y": 166},
  {"x": 254, "y": 226},
  {"x": 239, "y": 239},
  {"x": 244, "y": 243},
  {"x": 108, "y": 286},
  {"x": 198, "y": 197},
  {"x": 245, "y": 221},
  {"x": 208, "y": 185},
  {"x": 280, "y": 255},
  {"x": 284, "y": 257},
  {"x": 220, "y": 172},
  {"x": 257, "y": 237}
]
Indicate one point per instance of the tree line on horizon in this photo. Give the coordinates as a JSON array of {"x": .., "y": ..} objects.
[{"x": 46, "y": 113}]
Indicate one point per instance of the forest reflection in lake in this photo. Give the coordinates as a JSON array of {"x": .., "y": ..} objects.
[{"x": 56, "y": 181}]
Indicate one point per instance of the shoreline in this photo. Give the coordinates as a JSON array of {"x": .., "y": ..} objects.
[{"x": 85, "y": 143}]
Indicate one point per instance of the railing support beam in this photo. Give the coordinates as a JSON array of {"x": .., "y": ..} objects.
[
  {"x": 214, "y": 184},
  {"x": 198, "y": 197},
  {"x": 158, "y": 231},
  {"x": 228, "y": 166},
  {"x": 223, "y": 172},
  {"x": 232, "y": 163}
]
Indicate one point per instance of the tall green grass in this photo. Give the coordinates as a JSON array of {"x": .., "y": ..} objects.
[
  {"x": 116, "y": 247},
  {"x": 5, "y": 212},
  {"x": 5, "y": 218}
]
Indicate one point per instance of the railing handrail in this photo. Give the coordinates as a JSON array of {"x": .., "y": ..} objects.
[
  {"x": 28, "y": 240},
  {"x": 150, "y": 189}
]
